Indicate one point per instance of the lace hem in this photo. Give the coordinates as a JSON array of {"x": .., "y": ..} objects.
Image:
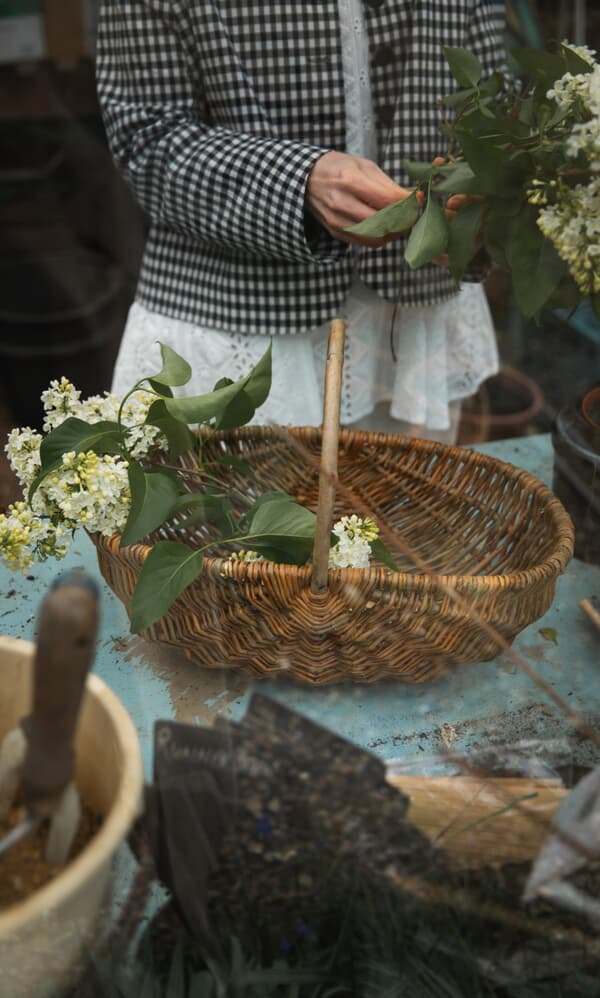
[{"x": 443, "y": 353}]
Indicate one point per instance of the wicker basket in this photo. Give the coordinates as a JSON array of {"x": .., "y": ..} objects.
[{"x": 479, "y": 544}]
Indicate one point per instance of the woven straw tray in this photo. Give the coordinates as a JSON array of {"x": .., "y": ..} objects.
[{"x": 479, "y": 545}]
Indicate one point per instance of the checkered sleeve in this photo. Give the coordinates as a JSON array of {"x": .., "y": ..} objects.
[
  {"x": 241, "y": 192},
  {"x": 486, "y": 35}
]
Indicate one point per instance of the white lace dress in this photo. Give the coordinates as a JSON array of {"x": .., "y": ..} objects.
[{"x": 421, "y": 360}]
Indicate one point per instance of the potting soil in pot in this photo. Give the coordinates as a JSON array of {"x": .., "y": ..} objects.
[{"x": 24, "y": 870}]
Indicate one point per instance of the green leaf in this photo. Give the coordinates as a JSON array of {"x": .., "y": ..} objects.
[
  {"x": 460, "y": 179},
  {"x": 103, "y": 437},
  {"x": 464, "y": 66},
  {"x": 526, "y": 110},
  {"x": 215, "y": 404},
  {"x": 549, "y": 634},
  {"x": 459, "y": 100},
  {"x": 456, "y": 177},
  {"x": 163, "y": 390},
  {"x": 557, "y": 117},
  {"x": 175, "y": 371},
  {"x": 204, "y": 508},
  {"x": 282, "y": 530},
  {"x": 383, "y": 554},
  {"x": 566, "y": 295},
  {"x": 537, "y": 270},
  {"x": 429, "y": 237},
  {"x": 179, "y": 436},
  {"x": 493, "y": 85},
  {"x": 246, "y": 518},
  {"x": 167, "y": 571},
  {"x": 258, "y": 382},
  {"x": 153, "y": 497},
  {"x": 203, "y": 408},
  {"x": 489, "y": 164},
  {"x": 222, "y": 383},
  {"x": 464, "y": 229},
  {"x": 239, "y": 412},
  {"x": 500, "y": 227},
  {"x": 421, "y": 171},
  {"x": 542, "y": 67},
  {"x": 395, "y": 218}
]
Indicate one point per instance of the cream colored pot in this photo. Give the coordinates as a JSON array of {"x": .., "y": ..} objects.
[{"x": 44, "y": 939}]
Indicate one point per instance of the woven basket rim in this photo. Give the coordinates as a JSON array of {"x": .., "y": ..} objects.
[{"x": 554, "y": 563}]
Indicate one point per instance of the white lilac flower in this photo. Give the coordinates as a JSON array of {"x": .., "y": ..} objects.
[
  {"x": 583, "y": 51},
  {"x": 23, "y": 452},
  {"x": 25, "y": 537},
  {"x": 141, "y": 438},
  {"x": 354, "y": 538},
  {"x": 62, "y": 400},
  {"x": 593, "y": 102},
  {"x": 89, "y": 490},
  {"x": 581, "y": 92},
  {"x": 585, "y": 139},
  {"x": 573, "y": 225},
  {"x": 574, "y": 86},
  {"x": 569, "y": 89}
]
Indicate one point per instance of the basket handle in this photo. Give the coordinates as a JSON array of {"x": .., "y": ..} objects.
[{"x": 329, "y": 454}]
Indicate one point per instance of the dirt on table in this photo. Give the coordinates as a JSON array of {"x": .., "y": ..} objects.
[{"x": 23, "y": 870}]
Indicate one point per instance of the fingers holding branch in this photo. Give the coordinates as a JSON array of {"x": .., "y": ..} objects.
[{"x": 344, "y": 190}]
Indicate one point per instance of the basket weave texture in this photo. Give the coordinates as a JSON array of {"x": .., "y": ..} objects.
[{"x": 466, "y": 524}]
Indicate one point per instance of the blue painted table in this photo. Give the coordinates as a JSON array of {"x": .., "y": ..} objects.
[{"x": 474, "y": 706}]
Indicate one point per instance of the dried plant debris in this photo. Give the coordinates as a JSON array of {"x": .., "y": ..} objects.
[{"x": 294, "y": 872}]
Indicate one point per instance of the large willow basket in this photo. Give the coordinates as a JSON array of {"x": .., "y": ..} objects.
[{"x": 479, "y": 544}]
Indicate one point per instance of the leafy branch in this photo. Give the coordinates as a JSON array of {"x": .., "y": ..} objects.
[
  {"x": 114, "y": 475},
  {"x": 508, "y": 144}
]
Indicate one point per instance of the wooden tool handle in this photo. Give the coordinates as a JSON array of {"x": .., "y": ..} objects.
[
  {"x": 66, "y": 642},
  {"x": 329, "y": 454},
  {"x": 591, "y": 610}
]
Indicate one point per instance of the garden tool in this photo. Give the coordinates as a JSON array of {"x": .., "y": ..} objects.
[
  {"x": 573, "y": 843},
  {"x": 591, "y": 607},
  {"x": 38, "y": 756}
]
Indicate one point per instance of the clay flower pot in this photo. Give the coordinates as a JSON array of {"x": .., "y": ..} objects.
[
  {"x": 576, "y": 476},
  {"x": 506, "y": 405},
  {"x": 44, "y": 939}
]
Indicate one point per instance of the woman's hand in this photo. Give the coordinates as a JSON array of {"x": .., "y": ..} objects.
[{"x": 343, "y": 190}]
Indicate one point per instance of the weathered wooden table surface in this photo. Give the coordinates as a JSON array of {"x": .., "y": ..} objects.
[{"x": 476, "y": 705}]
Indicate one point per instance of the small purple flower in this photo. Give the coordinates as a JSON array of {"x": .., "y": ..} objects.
[{"x": 263, "y": 827}]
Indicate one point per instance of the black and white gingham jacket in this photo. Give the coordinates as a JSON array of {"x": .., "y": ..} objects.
[{"x": 216, "y": 111}]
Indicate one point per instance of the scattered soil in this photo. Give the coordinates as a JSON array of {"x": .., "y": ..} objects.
[{"x": 24, "y": 870}]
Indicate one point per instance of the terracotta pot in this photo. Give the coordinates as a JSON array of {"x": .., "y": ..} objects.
[
  {"x": 576, "y": 473},
  {"x": 44, "y": 939},
  {"x": 506, "y": 405}
]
